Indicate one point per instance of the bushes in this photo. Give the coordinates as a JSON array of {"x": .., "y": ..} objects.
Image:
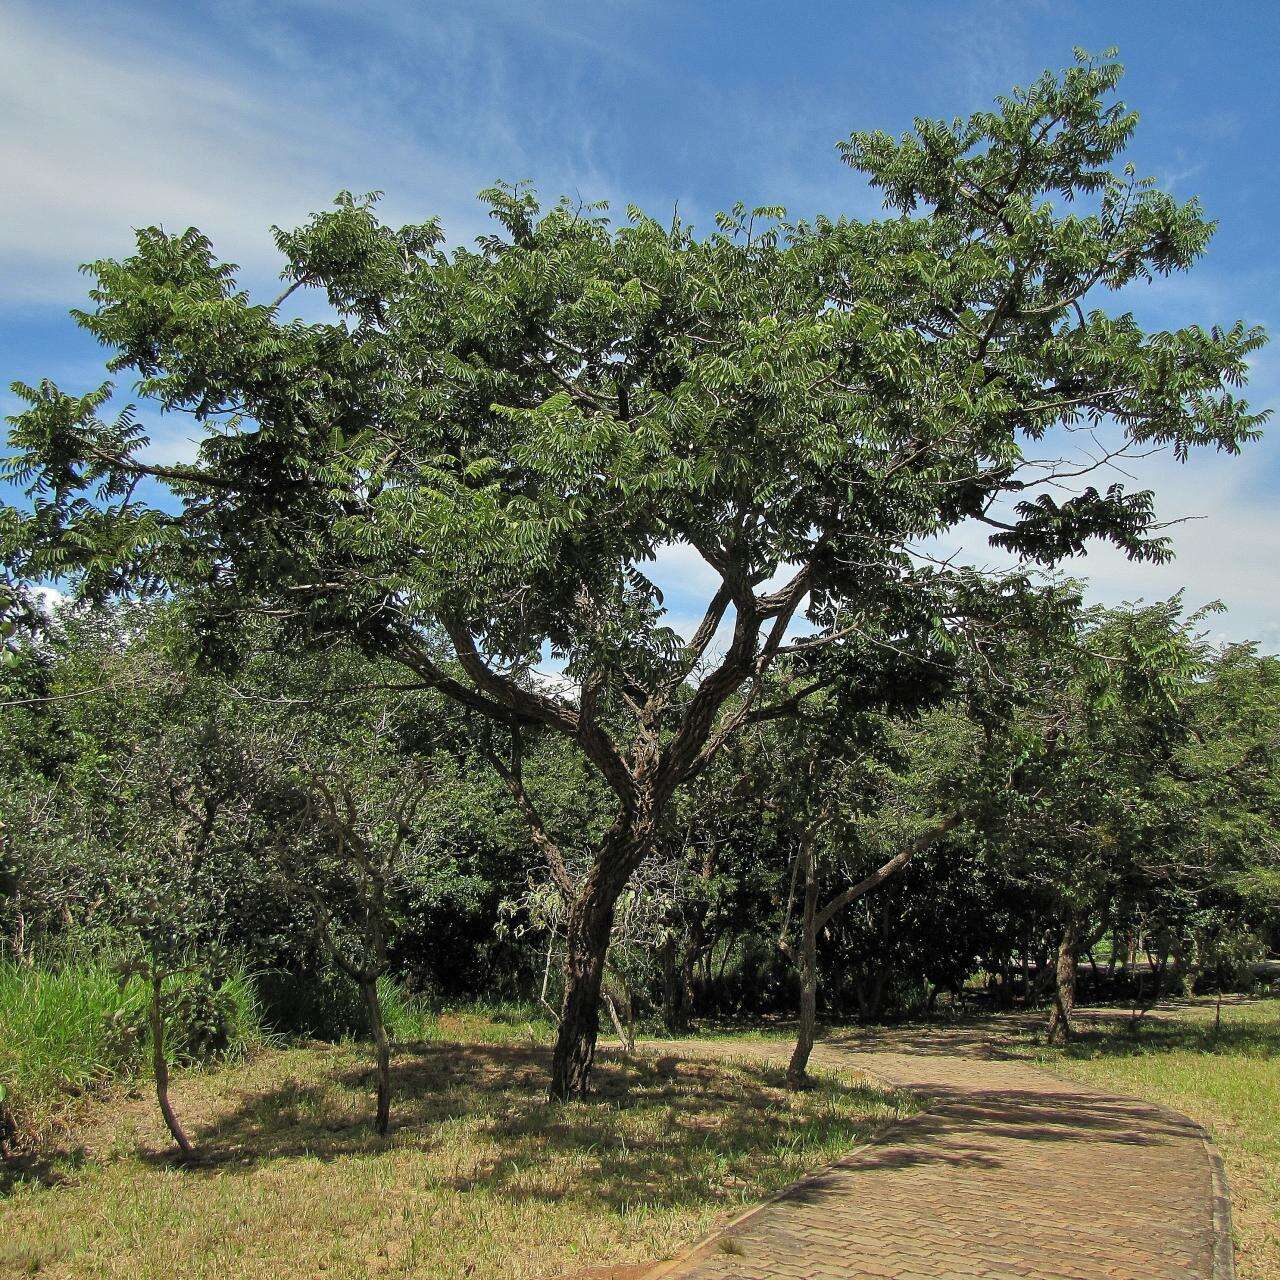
[{"x": 67, "y": 1032}]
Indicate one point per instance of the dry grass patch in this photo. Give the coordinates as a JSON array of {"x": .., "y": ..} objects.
[{"x": 480, "y": 1177}]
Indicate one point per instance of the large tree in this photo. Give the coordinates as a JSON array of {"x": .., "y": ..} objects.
[{"x": 490, "y": 446}]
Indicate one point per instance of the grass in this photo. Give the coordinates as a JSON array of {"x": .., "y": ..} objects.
[
  {"x": 480, "y": 1177},
  {"x": 68, "y": 1033},
  {"x": 1227, "y": 1080}
]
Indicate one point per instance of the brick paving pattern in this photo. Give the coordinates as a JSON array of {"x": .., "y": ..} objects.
[{"x": 1012, "y": 1174}]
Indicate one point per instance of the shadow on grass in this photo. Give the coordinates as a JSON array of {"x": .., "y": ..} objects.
[
  {"x": 1116, "y": 1036},
  {"x": 661, "y": 1129},
  {"x": 46, "y": 1170}
]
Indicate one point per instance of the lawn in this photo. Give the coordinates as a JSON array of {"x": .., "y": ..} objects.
[
  {"x": 1228, "y": 1080},
  {"x": 480, "y": 1177}
]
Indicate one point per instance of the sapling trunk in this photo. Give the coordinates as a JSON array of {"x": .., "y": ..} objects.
[
  {"x": 798, "y": 1067},
  {"x": 160, "y": 1067},
  {"x": 622, "y": 1029},
  {"x": 807, "y": 966},
  {"x": 382, "y": 1053}
]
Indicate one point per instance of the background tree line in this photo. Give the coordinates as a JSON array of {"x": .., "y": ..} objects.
[{"x": 1109, "y": 800}]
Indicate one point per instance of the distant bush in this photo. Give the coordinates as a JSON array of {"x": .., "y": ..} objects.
[
  {"x": 67, "y": 1032},
  {"x": 319, "y": 1003}
]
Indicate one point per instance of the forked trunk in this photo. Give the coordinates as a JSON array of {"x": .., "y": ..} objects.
[
  {"x": 382, "y": 1054},
  {"x": 161, "y": 1067},
  {"x": 1064, "y": 999}
]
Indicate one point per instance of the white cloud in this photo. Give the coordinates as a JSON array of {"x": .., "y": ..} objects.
[
  {"x": 1227, "y": 547},
  {"x": 102, "y": 135}
]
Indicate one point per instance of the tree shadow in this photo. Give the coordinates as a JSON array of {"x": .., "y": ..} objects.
[
  {"x": 984, "y": 1130},
  {"x": 703, "y": 1119},
  {"x": 975, "y": 1038},
  {"x": 1116, "y": 1035},
  {"x": 52, "y": 1169}
]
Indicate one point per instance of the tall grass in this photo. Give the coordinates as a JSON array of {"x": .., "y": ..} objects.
[
  {"x": 408, "y": 1017},
  {"x": 66, "y": 1033}
]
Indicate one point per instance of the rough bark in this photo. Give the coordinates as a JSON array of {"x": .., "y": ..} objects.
[
  {"x": 382, "y": 1053},
  {"x": 1064, "y": 999},
  {"x": 588, "y": 927},
  {"x": 161, "y": 1068}
]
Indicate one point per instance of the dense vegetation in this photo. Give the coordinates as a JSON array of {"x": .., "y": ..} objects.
[{"x": 166, "y": 822}]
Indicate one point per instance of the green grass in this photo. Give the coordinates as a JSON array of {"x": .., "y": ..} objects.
[
  {"x": 67, "y": 1033},
  {"x": 480, "y": 1177},
  {"x": 1228, "y": 1080},
  {"x": 412, "y": 1018}
]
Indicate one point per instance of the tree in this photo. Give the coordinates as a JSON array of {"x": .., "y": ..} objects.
[
  {"x": 1216, "y": 800},
  {"x": 843, "y": 752},
  {"x": 1090, "y": 726},
  {"x": 341, "y": 842},
  {"x": 484, "y": 450}
]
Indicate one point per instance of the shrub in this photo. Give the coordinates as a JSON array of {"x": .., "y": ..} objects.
[{"x": 319, "y": 1003}]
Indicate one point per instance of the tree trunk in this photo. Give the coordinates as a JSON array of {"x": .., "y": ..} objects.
[
  {"x": 673, "y": 1011},
  {"x": 382, "y": 1053},
  {"x": 18, "y": 941},
  {"x": 1064, "y": 996},
  {"x": 588, "y": 926},
  {"x": 870, "y": 994},
  {"x": 807, "y": 965},
  {"x": 688, "y": 974},
  {"x": 161, "y": 1068},
  {"x": 623, "y": 1027}
]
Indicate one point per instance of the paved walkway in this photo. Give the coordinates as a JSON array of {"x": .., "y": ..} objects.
[{"x": 1013, "y": 1174}]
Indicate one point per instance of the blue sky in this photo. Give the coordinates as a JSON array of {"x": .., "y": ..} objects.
[{"x": 235, "y": 115}]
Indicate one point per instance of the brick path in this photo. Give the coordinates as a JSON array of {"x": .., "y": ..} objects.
[{"x": 1011, "y": 1175}]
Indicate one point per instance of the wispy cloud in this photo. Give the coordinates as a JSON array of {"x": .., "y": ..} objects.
[{"x": 106, "y": 133}]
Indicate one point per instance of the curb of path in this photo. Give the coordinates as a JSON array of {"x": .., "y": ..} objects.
[{"x": 1224, "y": 1250}]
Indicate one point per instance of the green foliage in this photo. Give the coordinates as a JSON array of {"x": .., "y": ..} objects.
[{"x": 483, "y": 448}]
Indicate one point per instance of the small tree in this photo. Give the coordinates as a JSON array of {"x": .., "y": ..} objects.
[
  {"x": 1071, "y": 793},
  {"x": 486, "y": 448},
  {"x": 341, "y": 844},
  {"x": 842, "y": 788},
  {"x": 180, "y": 800}
]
